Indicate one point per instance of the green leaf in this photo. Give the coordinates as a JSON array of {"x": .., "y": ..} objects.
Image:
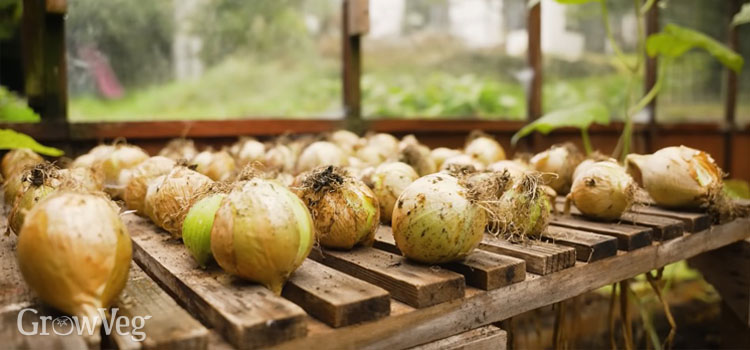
[
  {"x": 10, "y": 139},
  {"x": 742, "y": 17},
  {"x": 737, "y": 189},
  {"x": 674, "y": 41},
  {"x": 14, "y": 109},
  {"x": 580, "y": 116}
]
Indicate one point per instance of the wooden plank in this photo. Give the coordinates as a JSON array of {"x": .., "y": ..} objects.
[
  {"x": 416, "y": 285},
  {"x": 440, "y": 321},
  {"x": 246, "y": 314},
  {"x": 589, "y": 246},
  {"x": 483, "y": 338},
  {"x": 541, "y": 258},
  {"x": 335, "y": 297},
  {"x": 481, "y": 269},
  {"x": 693, "y": 222},
  {"x": 629, "y": 237},
  {"x": 169, "y": 326}
]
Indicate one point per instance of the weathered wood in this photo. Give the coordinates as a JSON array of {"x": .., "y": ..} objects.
[
  {"x": 541, "y": 258},
  {"x": 629, "y": 237},
  {"x": 169, "y": 326},
  {"x": 358, "y": 17},
  {"x": 246, "y": 314},
  {"x": 481, "y": 269},
  {"x": 589, "y": 246},
  {"x": 414, "y": 284},
  {"x": 483, "y": 338},
  {"x": 335, "y": 297},
  {"x": 484, "y": 308},
  {"x": 693, "y": 222}
]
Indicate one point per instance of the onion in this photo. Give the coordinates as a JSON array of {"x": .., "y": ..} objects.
[
  {"x": 17, "y": 160},
  {"x": 515, "y": 169},
  {"x": 116, "y": 166},
  {"x": 523, "y": 209},
  {"x": 387, "y": 143},
  {"x": 346, "y": 140},
  {"x": 169, "y": 197},
  {"x": 262, "y": 232},
  {"x": 84, "y": 179},
  {"x": 441, "y": 154},
  {"x": 602, "y": 190},
  {"x": 320, "y": 153},
  {"x": 388, "y": 181},
  {"x": 435, "y": 221},
  {"x": 372, "y": 155},
  {"x": 462, "y": 161},
  {"x": 248, "y": 150},
  {"x": 484, "y": 148},
  {"x": 74, "y": 252},
  {"x": 196, "y": 229},
  {"x": 219, "y": 166},
  {"x": 135, "y": 191},
  {"x": 38, "y": 183},
  {"x": 557, "y": 165},
  {"x": 93, "y": 157},
  {"x": 345, "y": 211},
  {"x": 280, "y": 158},
  {"x": 418, "y": 157},
  {"x": 178, "y": 149}
]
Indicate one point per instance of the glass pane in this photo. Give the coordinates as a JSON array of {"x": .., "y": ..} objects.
[
  {"x": 694, "y": 83},
  {"x": 203, "y": 59},
  {"x": 579, "y": 61},
  {"x": 445, "y": 58},
  {"x": 743, "y": 95}
]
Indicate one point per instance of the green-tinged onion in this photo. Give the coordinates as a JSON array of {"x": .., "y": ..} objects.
[
  {"x": 196, "y": 229},
  {"x": 523, "y": 209}
]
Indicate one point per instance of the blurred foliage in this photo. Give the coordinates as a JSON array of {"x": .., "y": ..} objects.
[
  {"x": 10, "y": 139},
  {"x": 10, "y": 16},
  {"x": 579, "y": 116},
  {"x": 14, "y": 109},
  {"x": 737, "y": 189}
]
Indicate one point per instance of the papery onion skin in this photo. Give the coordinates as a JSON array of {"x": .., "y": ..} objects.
[
  {"x": 280, "y": 158},
  {"x": 603, "y": 191},
  {"x": 196, "y": 229},
  {"x": 372, "y": 155},
  {"x": 262, "y": 232},
  {"x": 515, "y": 169},
  {"x": 418, "y": 157},
  {"x": 387, "y": 143},
  {"x": 179, "y": 149},
  {"x": 116, "y": 167},
  {"x": 434, "y": 221},
  {"x": 346, "y": 140},
  {"x": 135, "y": 191},
  {"x": 441, "y": 154},
  {"x": 169, "y": 197},
  {"x": 485, "y": 149},
  {"x": 93, "y": 158},
  {"x": 557, "y": 165},
  {"x": 462, "y": 160},
  {"x": 75, "y": 252},
  {"x": 219, "y": 166},
  {"x": 17, "y": 160},
  {"x": 38, "y": 183},
  {"x": 320, "y": 153},
  {"x": 247, "y": 151},
  {"x": 388, "y": 181},
  {"x": 345, "y": 211}
]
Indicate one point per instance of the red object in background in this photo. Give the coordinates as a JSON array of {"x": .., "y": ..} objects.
[{"x": 106, "y": 81}]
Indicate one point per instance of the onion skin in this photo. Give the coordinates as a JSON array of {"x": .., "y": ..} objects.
[
  {"x": 485, "y": 149},
  {"x": 135, "y": 191},
  {"x": 676, "y": 177},
  {"x": 16, "y": 160},
  {"x": 179, "y": 149},
  {"x": 320, "y": 153},
  {"x": 75, "y": 252},
  {"x": 219, "y": 166},
  {"x": 30, "y": 198},
  {"x": 248, "y": 150},
  {"x": 169, "y": 197},
  {"x": 280, "y": 158},
  {"x": 116, "y": 167},
  {"x": 515, "y": 169},
  {"x": 262, "y": 232},
  {"x": 419, "y": 157},
  {"x": 603, "y": 191},
  {"x": 557, "y": 165},
  {"x": 344, "y": 213},
  {"x": 523, "y": 210},
  {"x": 462, "y": 160},
  {"x": 346, "y": 140},
  {"x": 388, "y": 181},
  {"x": 386, "y": 143},
  {"x": 434, "y": 222},
  {"x": 441, "y": 154},
  {"x": 196, "y": 229}
]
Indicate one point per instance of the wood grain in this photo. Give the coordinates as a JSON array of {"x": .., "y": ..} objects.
[
  {"x": 483, "y": 338},
  {"x": 693, "y": 222},
  {"x": 589, "y": 246},
  {"x": 541, "y": 258},
  {"x": 629, "y": 237}
]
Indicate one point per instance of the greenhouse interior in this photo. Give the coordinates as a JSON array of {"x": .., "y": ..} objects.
[{"x": 512, "y": 174}]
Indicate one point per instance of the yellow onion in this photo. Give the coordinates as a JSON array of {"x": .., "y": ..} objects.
[
  {"x": 84, "y": 179},
  {"x": 435, "y": 221},
  {"x": 12, "y": 185},
  {"x": 441, "y": 154},
  {"x": 135, "y": 191},
  {"x": 74, "y": 252},
  {"x": 418, "y": 157},
  {"x": 557, "y": 165},
  {"x": 372, "y": 155},
  {"x": 262, "y": 232},
  {"x": 602, "y": 190},
  {"x": 196, "y": 229},
  {"x": 484, "y": 148},
  {"x": 247, "y": 150},
  {"x": 462, "y": 161},
  {"x": 116, "y": 166},
  {"x": 679, "y": 177},
  {"x": 93, "y": 157},
  {"x": 523, "y": 209},
  {"x": 515, "y": 169},
  {"x": 38, "y": 183},
  {"x": 344, "y": 210},
  {"x": 320, "y": 153},
  {"x": 17, "y": 160},
  {"x": 388, "y": 181},
  {"x": 169, "y": 197},
  {"x": 219, "y": 166},
  {"x": 345, "y": 139},
  {"x": 179, "y": 149},
  {"x": 387, "y": 143},
  {"x": 280, "y": 158}
]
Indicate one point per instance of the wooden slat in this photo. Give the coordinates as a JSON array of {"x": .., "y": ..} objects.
[
  {"x": 247, "y": 315},
  {"x": 483, "y": 338},
  {"x": 629, "y": 237},
  {"x": 541, "y": 258},
  {"x": 170, "y": 326},
  {"x": 335, "y": 297},
  {"x": 416, "y": 285},
  {"x": 693, "y": 222},
  {"x": 481, "y": 269},
  {"x": 589, "y": 246}
]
